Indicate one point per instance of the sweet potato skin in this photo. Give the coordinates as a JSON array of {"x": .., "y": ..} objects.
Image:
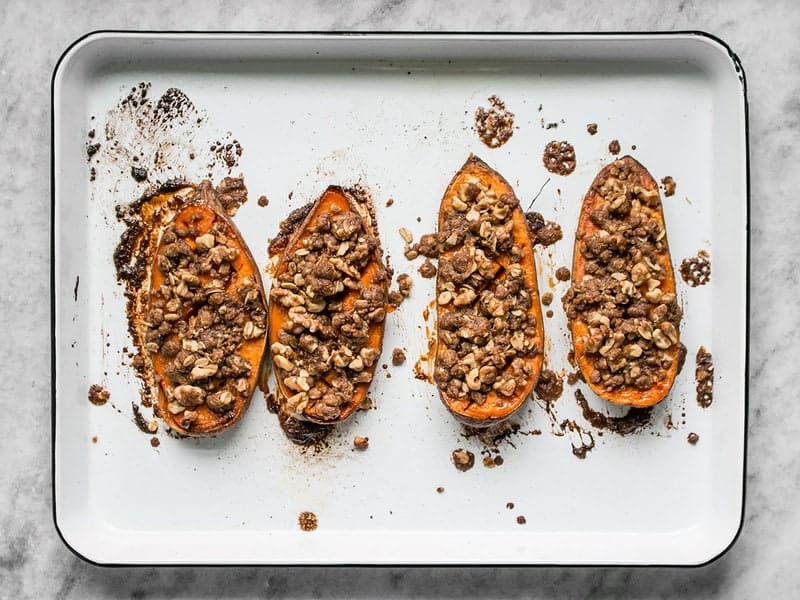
[
  {"x": 334, "y": 198},
  {"x": 496, "y": 407},
  {"x": 201, "y": 212},
  {"x": 579, "y": 328}
]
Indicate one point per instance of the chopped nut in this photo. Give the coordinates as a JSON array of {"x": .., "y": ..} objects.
[
  {"x": 220, "y": 401},
  {"x": 282, "y": 362},
  {"x": 189, "y": 395}
]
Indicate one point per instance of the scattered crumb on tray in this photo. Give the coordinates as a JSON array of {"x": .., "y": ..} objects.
[
  {"x": 562, "y": 274},
  {"x": 307, "y": 521},
  {"x": 704, "y": 376},
  {"x": 360, "y": 443},
  {"x": 591, "y": 128},
  {"x": 693, "y": 438},
  {"x": 98, "y": 395},
  {"x": 696, "y": 271},
  {"x": 494, "y": 125},
  {"x": 463, "y": 460},
  {"x": 669, "y": 185},
  {"x": 427, "y": 269},
  {"x": 547, "y": 298},
  {"x": 263, "y": 201},
  {"x": 398, "y": 357},
  {"x": 559, "y": 157},
  {"x": 614, "y": 147}
]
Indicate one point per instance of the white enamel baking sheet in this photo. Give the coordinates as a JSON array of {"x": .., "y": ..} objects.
[{"x": 395, "y": 112}]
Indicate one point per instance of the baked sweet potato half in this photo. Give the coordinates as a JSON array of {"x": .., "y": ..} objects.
[
  {"x": 622, "y": 308},
  {"x": 204, "y": 321},
  {"x": 489, "y": 327},
  {"x": 327, "y": 307}
]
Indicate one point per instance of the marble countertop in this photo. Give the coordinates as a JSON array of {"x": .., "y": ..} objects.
[{"x": 34, "y": 563}]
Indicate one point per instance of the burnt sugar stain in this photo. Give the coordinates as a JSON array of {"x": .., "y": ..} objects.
[
  {"x": 139, "y": 420},
  {"x": 635, "y": 420},
  {"x": 549, "y": 387}
]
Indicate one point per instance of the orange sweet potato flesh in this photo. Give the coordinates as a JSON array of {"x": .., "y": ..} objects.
[
  {"x": 200, "y": 214},
  {"x": 495, "y": 407},
  {"x": 627, "y": 395},
  {"x": 334, "y": 199}
]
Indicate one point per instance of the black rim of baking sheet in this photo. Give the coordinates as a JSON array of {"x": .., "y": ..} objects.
[{"x": 737, "y": 64}]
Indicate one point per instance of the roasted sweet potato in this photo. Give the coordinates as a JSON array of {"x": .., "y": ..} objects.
[
  {"x": 327, "y": 307},
  {"x": 622, "y": 308},
  {"x": 204, "y": 322},
  {"x": 489, "y": 327}
]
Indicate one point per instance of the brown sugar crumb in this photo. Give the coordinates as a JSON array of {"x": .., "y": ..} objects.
[
  {"x": 98, "y": 395},
  {"x": 614, "y": 147},
  {"x": 559, "y": 157},
  {"x": 510, "y": 505},
  {"x": 697, "y": 270},
  {"x": 632, "y": 333},
  {"x": 521, "y": 520},
  {"x": 463, "y": 460},
  {"x": 562, "y": 274},
  {"x": 440, "y": 490},
  {"x": 395, "y": 298},
  {"x": 404, "y": 284},
  {"x": 704, "y": 376},
  {"x": 591, "y": 128},
  {"x": 550, "y": 386},
  {"x": 427, "y": 270},
  {"x": 155, "y": 442},
  {"x": 669, "y": 185},
  {"x": 398, "y": 357},
  {"x": 542, "y": 233},
  {"x": 360, "y": 443},
  {"x": 547, "y": 298},
  {"x": 693, "y": 438},
  {"x": 574, "y": 377},
  {"x": 494, "y": 125},
  {"x": 307, "y": 521},
  {"x": 263, "y": 201},
  {"x": 389, "y": 202}
]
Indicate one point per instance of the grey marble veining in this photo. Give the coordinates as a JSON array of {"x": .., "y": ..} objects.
[{"x": 764, "y": 562}]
